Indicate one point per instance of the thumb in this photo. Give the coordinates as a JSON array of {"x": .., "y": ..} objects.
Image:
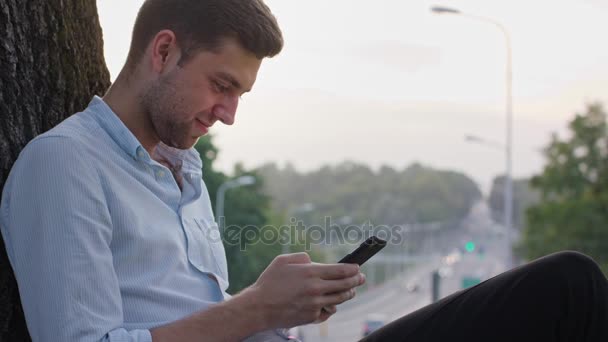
[{"x": 294, "y": 258}]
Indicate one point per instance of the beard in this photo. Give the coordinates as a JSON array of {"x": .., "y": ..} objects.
[{"x": 163, "y": 107}]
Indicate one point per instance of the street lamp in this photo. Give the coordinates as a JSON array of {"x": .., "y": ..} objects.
[
  {"x": 444, "y": 10},
  {"x": 508, "y": 147},
  {"x": 221, "y": 194},
  {"x": 483, "y": 141}
]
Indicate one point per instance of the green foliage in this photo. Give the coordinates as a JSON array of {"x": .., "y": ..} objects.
[
  {"x": 247, "y": 207},
  {"x": 244, "y": 206},
  {"x": 416, "y": 194},
  {"x": 573, "y": 212},
  {"x": 390, "y": 197}
]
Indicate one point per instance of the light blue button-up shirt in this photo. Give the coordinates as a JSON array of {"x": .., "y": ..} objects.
[{"x": 103, "y": 242}]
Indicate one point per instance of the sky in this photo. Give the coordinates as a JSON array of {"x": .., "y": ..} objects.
[{"x": 390, "y": 83}]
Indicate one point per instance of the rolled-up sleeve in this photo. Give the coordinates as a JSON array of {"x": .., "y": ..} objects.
[{"x": 57, "y": 230}]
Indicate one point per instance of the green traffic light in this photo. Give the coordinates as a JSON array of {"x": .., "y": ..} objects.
[{"x": 470, "y": 246}]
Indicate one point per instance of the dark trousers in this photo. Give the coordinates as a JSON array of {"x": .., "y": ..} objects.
[{"x": 560, "y": 297}]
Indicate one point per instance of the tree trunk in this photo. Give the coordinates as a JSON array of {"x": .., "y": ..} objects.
[{"x": 51, "y": 64}]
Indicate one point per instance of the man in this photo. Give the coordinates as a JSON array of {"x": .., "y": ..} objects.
[
  {"x": 108, "y": 226},
  {"x": 107, "y": 223}
]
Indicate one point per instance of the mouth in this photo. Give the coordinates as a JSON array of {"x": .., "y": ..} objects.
[{"x": 204, "y": 128}]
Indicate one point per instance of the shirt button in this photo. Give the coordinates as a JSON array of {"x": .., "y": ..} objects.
[
  {"x": 160, "y": 174},
  {"x": 140, "y": 154}
]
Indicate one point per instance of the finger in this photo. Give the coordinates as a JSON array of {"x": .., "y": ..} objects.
[
  {"x": 330, "y": 309},
  {"x": 322, "y": 318},
  {"x": 326, "y": 313},
  {"x": 294, "y": 258},
  {"x": 335, "y": 271},
  {"x": 341, "y": 285},
  {"x": 338, "y": 298}
]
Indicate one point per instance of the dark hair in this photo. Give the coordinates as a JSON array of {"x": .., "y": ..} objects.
[{"x": 203, "y": 24}]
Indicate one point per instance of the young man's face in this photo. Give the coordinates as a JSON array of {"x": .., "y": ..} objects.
[{"x": 186, "y": 100}]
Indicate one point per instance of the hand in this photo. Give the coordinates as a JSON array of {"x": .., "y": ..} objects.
[
  {"x": 327, "y": 312},
  {"x": 293, "y": 291}
]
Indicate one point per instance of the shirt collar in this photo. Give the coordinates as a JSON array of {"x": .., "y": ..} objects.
[{"x": 189, "y": 159}]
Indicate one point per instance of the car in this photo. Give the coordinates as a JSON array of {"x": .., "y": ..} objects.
[
  {"x": 446, "y": 271},
  {"x": 412, "y": 286},
  {"x": 373, "y": 323}
]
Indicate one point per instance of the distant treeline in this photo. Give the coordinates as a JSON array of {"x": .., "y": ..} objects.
[{"x": 354, "y": 193}]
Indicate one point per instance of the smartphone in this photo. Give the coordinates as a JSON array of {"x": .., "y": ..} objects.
[{"x": 365, "y": 251}]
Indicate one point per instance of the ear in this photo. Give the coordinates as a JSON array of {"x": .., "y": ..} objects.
[{"x": 165, "y": 51}]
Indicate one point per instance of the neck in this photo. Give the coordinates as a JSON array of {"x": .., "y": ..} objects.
[{"x": 123, "y": 99}]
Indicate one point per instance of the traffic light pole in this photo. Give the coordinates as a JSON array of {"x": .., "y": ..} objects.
[{"x": 435, "y": 282}]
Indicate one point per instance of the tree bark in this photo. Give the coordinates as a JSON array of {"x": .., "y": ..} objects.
[{"x": 51, "y": 64}]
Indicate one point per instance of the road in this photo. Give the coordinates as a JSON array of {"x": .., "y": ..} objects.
[{"x": 392, "y": 299}]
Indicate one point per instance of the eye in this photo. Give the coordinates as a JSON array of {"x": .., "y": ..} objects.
[{"x": 219, "y": 87}]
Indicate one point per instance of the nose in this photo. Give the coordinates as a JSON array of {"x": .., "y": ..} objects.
[{"x": 225, "y": 111}]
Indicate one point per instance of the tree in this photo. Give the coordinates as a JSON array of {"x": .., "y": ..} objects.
[
  {"x": 51, "y": 64},
  {"x": 573, "y": 211},
  {"x": 416, "y": 194},
  {"x": 246, "y": 209}
]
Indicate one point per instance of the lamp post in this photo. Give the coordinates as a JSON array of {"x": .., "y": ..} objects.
[
  {"x": 221, "y": 195},
  {"x": 483, "y": 141},
  {"x": 508, "y": 147}
]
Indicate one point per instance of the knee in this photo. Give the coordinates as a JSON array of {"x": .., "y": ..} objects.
[{"x": 572, "y": 261}]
